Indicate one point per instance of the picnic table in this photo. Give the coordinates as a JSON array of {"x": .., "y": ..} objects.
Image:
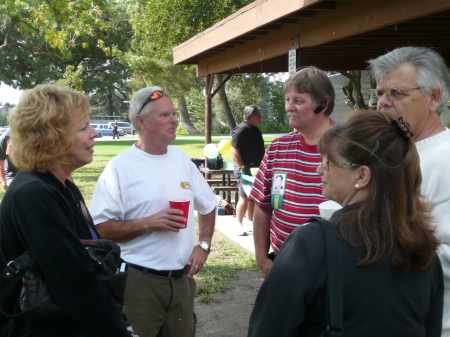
[{"x": 227, "y": 185}]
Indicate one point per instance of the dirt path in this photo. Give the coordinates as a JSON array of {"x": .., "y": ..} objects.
[{"x": 230, "y": 315}]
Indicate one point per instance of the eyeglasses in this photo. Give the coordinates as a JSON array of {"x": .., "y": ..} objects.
[
  {"x": 393, "y": 93},
  {"x": 345, "y": 164},
  {"x": 152, "y": 97}
]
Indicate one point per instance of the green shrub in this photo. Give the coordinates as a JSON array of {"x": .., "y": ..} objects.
[
  {"x": 274, "y": 126},
  {"x": 200, "y": 126},
  {"x": 181, "y": 130},
  {"x": 220, "y": 129}
]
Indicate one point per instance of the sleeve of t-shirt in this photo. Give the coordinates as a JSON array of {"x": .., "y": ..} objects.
[
  {"x": 106, "y": 203},
  {"x": 204, "y": 199}
]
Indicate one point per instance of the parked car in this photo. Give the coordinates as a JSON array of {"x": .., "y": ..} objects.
[
  {"x": 124, "y": 126},
  {"x": 106, "y": 130},
  {"x": 4, "y": 129}
]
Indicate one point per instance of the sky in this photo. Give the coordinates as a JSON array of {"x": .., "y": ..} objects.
[{"x": 9, "y": 94}]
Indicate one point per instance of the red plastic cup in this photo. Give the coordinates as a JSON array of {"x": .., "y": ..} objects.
[{"x": 183, "y": 205}]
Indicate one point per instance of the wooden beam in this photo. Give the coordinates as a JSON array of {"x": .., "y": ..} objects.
[
  {"x": 208, "y": 107},
  {"x": 302, "y": 14},
  {"x": 324, "y": 5},
  {"x": 348, "y": 19},
  {"x": 249, "y": 18},
  {"x": 221, "y": 85}
]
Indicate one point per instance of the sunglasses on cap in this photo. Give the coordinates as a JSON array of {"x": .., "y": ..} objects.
[{"x": 152, "y": 97}]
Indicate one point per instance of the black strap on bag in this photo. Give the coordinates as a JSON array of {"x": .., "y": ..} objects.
[
  {"x": 35, "y": 302},
  {"x": 335, "y": 282}
]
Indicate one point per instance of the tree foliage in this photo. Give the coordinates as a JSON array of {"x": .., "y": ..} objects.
[
  {"x": 151, "y": 55},
  {"x": 58, "y": 24},
  {"x": 171, "y": 22},
  {"x": 74, "y": 43}
]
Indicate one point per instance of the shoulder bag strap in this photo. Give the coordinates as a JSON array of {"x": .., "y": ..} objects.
[{"x": 335, "y": 283}]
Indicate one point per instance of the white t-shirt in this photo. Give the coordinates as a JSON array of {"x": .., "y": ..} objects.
[
  {"x": 434, "y": 153},
  {"x": 136, "y": 184}
]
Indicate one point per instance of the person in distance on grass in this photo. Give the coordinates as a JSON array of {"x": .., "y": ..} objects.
[{"x": 130, "y": 206}]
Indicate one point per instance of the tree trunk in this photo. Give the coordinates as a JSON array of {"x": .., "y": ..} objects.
[
  {"x": 347, "y": 92},
  {"x": 185, "y": 117},
  {"x": 352, "y": 90},
  {"x": 110, "y": 104},
  {"x": 226, "y": 110}
]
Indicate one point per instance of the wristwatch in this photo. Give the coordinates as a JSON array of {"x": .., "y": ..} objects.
[{"x": 204, "y": 245}]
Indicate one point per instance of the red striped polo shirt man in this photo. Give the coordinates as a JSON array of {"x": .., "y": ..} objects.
[{"x": 292, "y": 160}]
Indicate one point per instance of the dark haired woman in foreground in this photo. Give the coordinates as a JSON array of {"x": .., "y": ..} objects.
[{"x": 393, "y": 284}]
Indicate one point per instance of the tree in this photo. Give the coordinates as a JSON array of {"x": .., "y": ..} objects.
[
  {"x": 159, "y": 71},
  {"x": 274, "y": 92},
  {"x": 352, "y": 90},
  {"x": 82, "y": 40},
  {"x": 150, "y": 21},
  {"x": 61, "y": 24},
  {"x": 223, "y": 99}
]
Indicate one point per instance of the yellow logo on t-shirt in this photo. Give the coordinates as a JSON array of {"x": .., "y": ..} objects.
[{"x": 185, "y": 185}]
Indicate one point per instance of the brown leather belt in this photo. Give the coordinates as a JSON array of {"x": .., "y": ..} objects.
[{"x": 164, "y": 273}]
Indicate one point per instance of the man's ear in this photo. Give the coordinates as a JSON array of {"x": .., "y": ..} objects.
[
  {"x": 139, "y": 121},
  {"x": 435, "y": 96},
  {"x": 364, "y": 176}
]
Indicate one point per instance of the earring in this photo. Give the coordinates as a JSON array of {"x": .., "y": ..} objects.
[{"x": 357, "y": 185}]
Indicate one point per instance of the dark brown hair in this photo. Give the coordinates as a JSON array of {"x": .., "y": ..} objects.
[
  {"x": 313, "y": 81},
  {"x": 393, "y": 221}
]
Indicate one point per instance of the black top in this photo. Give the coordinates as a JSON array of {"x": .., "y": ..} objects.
[
  {"x": 10, "y": 169},
  {"x": 248, "y": 139},
  {"x": 378, "y": 300},
  {"x": 38, "y": 213}
]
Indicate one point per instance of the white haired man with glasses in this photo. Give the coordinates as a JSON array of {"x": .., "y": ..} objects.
[
  {"x": 130, "y": 206},
  {"x": 413, "y": 82}
]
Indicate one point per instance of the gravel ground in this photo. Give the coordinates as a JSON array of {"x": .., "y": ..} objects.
[{"x": 230, "y": 314}]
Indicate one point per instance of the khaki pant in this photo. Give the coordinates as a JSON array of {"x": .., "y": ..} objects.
[{"x": 159, "y": 306}]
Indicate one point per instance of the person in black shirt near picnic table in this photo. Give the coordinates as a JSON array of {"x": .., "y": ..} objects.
[{"x": 247, "y": 151}]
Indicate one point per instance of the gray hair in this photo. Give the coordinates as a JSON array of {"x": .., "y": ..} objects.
[
  {"x": 431, "y": 69},
  {"x": 138, "y": 100},
  {"x": 251, "y": 110}
]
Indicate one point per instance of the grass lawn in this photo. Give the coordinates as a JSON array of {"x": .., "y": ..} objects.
[{"x": 87, "y": 176}]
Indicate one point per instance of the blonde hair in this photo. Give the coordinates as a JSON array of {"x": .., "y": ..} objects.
[{"x": 40, "y": 126}]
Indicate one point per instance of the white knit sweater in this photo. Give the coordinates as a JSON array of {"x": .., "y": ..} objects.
[{"x": 434, "y": 153}]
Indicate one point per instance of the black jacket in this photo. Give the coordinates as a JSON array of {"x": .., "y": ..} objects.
[
  {"x": 38, "y": 213},
  {"x": 378, "y": 300}
]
